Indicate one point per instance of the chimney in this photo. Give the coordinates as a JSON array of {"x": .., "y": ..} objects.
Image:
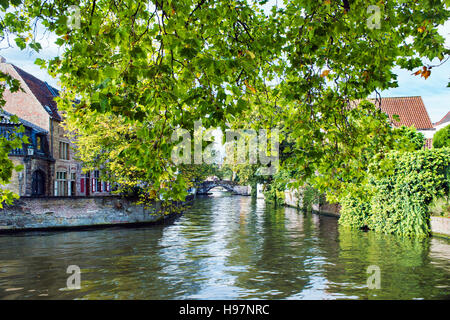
[{"x": 2, "y": 59}]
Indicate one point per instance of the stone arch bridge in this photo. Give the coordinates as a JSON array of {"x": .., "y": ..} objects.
[{"x": 228, "y": 185}]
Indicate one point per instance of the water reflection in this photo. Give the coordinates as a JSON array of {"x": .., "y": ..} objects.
[{"x": 225, "y": 247}]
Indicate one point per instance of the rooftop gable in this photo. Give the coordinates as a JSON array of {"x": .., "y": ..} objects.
[
  {"x": 411, "y": 111},
  {"x": 43, "y": 92},
  {"x": 5, "y": 118},
  {"x": 445, "y": 119}
]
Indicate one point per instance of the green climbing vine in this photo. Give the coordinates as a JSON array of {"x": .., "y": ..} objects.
[{"x": 400, "y": 200}]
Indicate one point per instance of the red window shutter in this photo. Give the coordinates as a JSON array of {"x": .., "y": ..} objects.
[{"x": 82, "y": 185}]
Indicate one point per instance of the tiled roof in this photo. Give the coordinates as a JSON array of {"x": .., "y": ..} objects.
[
  {"x": 411, "y": 111},
  {"x": 42, "y": 91},
  {"x": 5, "y": 118},
  {"x": 445, "y": 119}
]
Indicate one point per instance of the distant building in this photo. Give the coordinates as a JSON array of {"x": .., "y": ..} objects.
[
  {"x": 411, "y": 112},
  {"x": 445, "y": 121},
  {"x": 36, "y": 105}
]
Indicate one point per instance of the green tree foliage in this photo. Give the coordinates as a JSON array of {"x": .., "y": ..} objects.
[
  {"x": 194, "y": 174},
  {"x": 411, "y": 138},
  {"x": 155, "y": 66},
  {"x": 7, "y": 144},
  {"x": 275, "y": 187},
  {"x": 400, "y": 201},
  {"x": 12, "y": 27},
  {"x": 441, "y": 138},
  {"x": 223, "y": 172},
  {"x": 17, "y": 26}
]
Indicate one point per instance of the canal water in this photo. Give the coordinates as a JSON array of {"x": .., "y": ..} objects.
[{"x": 225, "y": 247}]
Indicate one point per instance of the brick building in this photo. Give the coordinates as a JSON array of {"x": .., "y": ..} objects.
[
  {"x": 34, "y": 179},
  {"x": 36, "y": 105}
]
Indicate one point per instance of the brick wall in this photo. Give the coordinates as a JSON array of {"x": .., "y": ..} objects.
[
  {"x": 38, "y": 164},
  {"x": 15, "y": 185},
  {"x": 21, "y": 181},
  {"x": 70, "y": 165},
  {"x": 23, "y": 103}
]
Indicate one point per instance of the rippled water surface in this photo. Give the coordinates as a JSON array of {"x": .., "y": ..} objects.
[{"x": 225, "y": 247}]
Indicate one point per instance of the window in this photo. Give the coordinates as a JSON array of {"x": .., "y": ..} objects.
[
  {"x": 72, "y": 185},
  {"x": 48, "y": 109},
  {"x": 61, "y": 184},
  {"x": 98, "y": 185},
  {"x": 64, "y": 150},
  {"x": 61, "y": 175},
  {"x": 96, "y": 182},
  {"x": 38, "y": 143}
]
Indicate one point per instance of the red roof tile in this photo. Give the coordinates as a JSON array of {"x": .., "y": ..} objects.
[
  {"x": 411, "y": 111},
  {"x": 42, "y": 91},
  {"x": 445, "y": 119}
]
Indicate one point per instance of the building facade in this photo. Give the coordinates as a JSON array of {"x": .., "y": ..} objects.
[
  {"x": 35, "y": 178},
  {"x": 36, "y": 105}
]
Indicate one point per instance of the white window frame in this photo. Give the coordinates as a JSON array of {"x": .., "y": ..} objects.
[{"x": 61, "y": 184}]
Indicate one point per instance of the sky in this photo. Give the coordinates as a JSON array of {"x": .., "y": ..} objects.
[{"x": 434, "y": 91}]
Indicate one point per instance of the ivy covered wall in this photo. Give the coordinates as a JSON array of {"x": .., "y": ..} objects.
[{"x": 399, "y": 202}]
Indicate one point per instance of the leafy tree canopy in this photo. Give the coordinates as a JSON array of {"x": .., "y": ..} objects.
[
  {"x": 304, "y": 66},
  {"x": 411, "y": 137}
]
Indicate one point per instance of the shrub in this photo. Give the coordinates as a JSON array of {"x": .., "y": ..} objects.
[
  {"x": 311, "y": 196},
  {"x": 401, "y": 200},
  {"x": 354, "y": 212},
  {"x": 441, "y": 138},
  {"x": 274, "y": 189}
]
